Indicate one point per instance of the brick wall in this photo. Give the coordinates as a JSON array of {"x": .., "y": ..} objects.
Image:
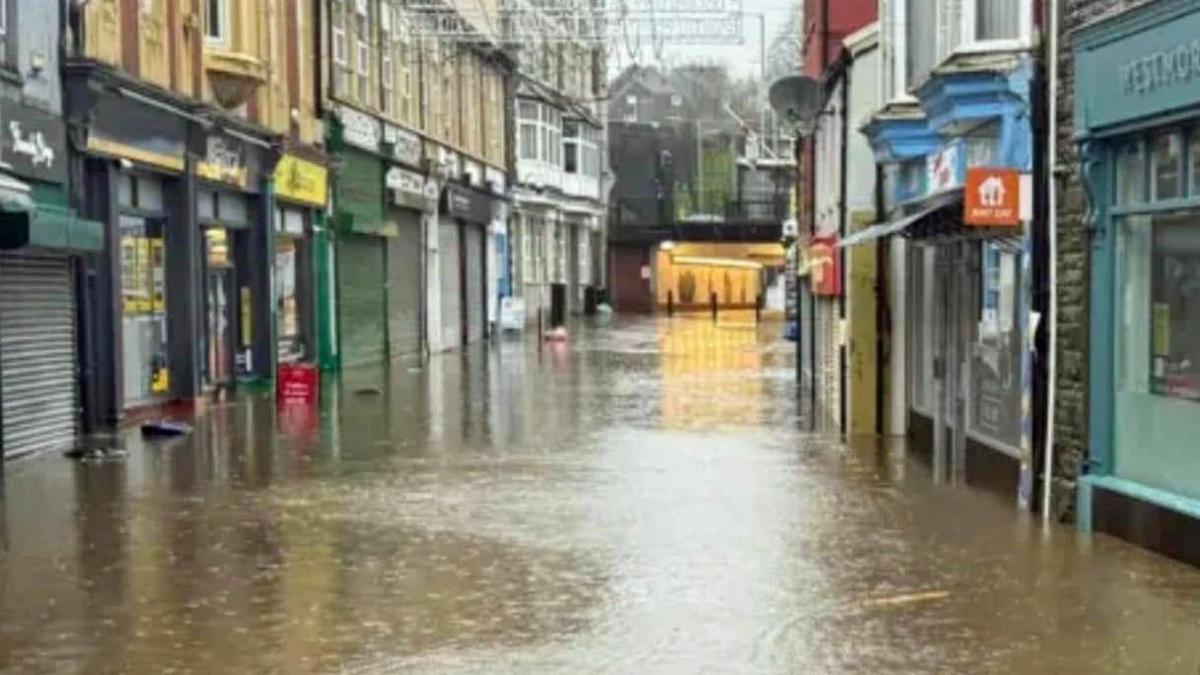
[{"x": 1071, "y": 416}]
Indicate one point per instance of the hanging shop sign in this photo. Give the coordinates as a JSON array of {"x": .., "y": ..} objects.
[
  {"x": 301, "y": 181},
  {"x": 33, "y": 144},
  {"x": 359, "y": 129},
  {"x": 824, "y": 264},
  {"x": 124, "y": 128},
  {"x": 992, "y": 197},
  {"x": 466, "y": 204},
  {"x": 408, "y": 189},
  {"x": 405, "y": 146},
  {"x": 230, "y": 161}
]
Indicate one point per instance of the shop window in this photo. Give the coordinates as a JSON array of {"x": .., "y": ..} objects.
[
  {"x": 996, "y": 390},
  {"x": 1130, "y": 175},
  {"x": 144, "y": 310},
  {"x": 1194, "y": 162},
  {"x": 1174, "y": 349},
  {"x": 1166, "y": 167}
]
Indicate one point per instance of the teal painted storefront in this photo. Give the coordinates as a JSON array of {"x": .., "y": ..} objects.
[{"x": 1137, "y": 121}]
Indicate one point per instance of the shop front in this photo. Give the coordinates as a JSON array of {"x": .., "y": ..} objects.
[
  {"x": 301, "y": 249},
  {"x": 132, "y": 172},
  {"x": 1137, "y": 116},
  {"x": 235, "y": 220},
  {"x": 968, "y": 272},
  {"x": 466, "y": 218},
  {"x": 412, "y": 198},
  {"x": 43, "y": 246},
  {"x": 362, "y": 237}
]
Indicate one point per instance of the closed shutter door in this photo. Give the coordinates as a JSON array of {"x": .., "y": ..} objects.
[
  {"x": 451, "y": 282},
  {"x": 404, "y": 289},
  {"x": 37, "y": 354},
  {"x": 475, "y": 293},
  {"x": 828, "y": 360},
  {"x": 361, "y": 296}
]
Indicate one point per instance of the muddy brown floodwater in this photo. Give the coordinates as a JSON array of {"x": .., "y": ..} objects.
[{"x": 642, "y": 500}]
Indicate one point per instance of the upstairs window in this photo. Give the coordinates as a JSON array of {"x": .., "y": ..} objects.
[
  {"x": 923, "y": 33},
  {"x": 216, "y": 20}
]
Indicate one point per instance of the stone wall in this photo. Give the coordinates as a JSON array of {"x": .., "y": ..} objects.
[{"x": 1071, "y": 416}]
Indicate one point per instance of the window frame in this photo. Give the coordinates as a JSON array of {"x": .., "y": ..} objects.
[
  {"x": 223, "y": 32},
  {"x": 902, "y": 82}
]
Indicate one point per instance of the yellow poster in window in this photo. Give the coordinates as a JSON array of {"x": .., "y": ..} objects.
[
  {"x": 157, "y": 268},
  {"x": 1162, "y": 329}
]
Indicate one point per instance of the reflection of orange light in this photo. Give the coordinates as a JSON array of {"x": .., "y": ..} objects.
[{"x": 696, "y": 352}]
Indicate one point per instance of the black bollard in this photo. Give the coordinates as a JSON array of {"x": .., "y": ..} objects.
[
  {"x": 541, "y": 334},
  {"x": 758, "y": 306},
  {"x": 670, "y": 303},
  {"x": 713, "y": 301}
]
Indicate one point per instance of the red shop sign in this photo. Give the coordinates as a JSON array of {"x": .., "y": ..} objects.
[
  {"x": 825, "y": 266},
  {"x": 298, "y": 383}
]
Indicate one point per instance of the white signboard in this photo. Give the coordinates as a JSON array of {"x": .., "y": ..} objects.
[{"x": 359, "y": 129}]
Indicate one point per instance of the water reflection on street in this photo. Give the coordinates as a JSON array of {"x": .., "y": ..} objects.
[{"x": 642, "y": 499}]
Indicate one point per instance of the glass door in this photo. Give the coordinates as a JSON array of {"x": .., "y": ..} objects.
[
  {"x": 218, "y": 309},
  {"x": 144, "y": 310}
]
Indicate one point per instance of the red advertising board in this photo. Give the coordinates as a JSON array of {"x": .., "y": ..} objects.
[
  {"x": 992, "y": 197},
  {"x": 298, "y": 383},
  {"x": 825, "y": 266}
]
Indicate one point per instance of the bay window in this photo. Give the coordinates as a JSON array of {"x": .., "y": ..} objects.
[{"x": 926, "y": 32}]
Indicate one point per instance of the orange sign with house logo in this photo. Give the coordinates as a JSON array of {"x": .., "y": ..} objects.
[{"x": 992, "y": 197}]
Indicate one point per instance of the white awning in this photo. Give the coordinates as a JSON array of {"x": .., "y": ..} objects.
[{"x": 878, "y": 230}]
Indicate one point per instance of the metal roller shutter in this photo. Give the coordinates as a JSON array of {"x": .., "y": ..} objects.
[
  {"x": 451, "y": 283},
  {"x": 38, "y": 354},
  {"x": 404, "y": 288},
  {"x": 475, "y": 294},
  {"x": 361, "y": 297},
  {"x": 828, "y": 360}
]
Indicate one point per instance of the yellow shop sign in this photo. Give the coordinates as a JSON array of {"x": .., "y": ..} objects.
[{"x": 301, "y": 181}]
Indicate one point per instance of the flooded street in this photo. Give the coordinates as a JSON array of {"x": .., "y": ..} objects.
[{"x": 643, "y": 500}]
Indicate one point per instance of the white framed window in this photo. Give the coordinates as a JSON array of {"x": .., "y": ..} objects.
[
  {"x": 341, "y": 61},
  {"x": 364, "y": 70},
  {"x": 920, "y": 34},
  {"x": 385, "y": 18},
  {"x": 216, "y": 21},
  {"x": 361, "y": 8},
  {"x": 387, "y": 78}
]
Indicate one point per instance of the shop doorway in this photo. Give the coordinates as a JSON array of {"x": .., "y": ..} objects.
[{"x": 218, "y": 309}]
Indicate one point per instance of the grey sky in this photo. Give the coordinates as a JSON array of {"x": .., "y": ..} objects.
[{"x": 744, "y": 59}]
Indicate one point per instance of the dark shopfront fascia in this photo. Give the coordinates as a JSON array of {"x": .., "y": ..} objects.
[
  {"x": 43, "y": 249},
  {"x": 1138, "y": 124},
  {"x": 179, "y": 300},
  {"x": 470, "y": 211}
]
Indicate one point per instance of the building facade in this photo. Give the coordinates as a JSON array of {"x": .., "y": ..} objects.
[
  {"x": 559, "y": 193},
  {"x": 419, "y": 126},
  {"x": 45, "y": 246},
  {"x": 837, "y": 199},
  {"x": 839, "y": 309},
  {"x": 180, "y": 114},
  {"x": 1132, "y": 96},
  {"x": 958, "y": 85}
]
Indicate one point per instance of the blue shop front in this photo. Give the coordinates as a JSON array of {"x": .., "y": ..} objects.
[
  {"x": 965, "y": 321},
  {"x": 1137, "y": 121}
]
